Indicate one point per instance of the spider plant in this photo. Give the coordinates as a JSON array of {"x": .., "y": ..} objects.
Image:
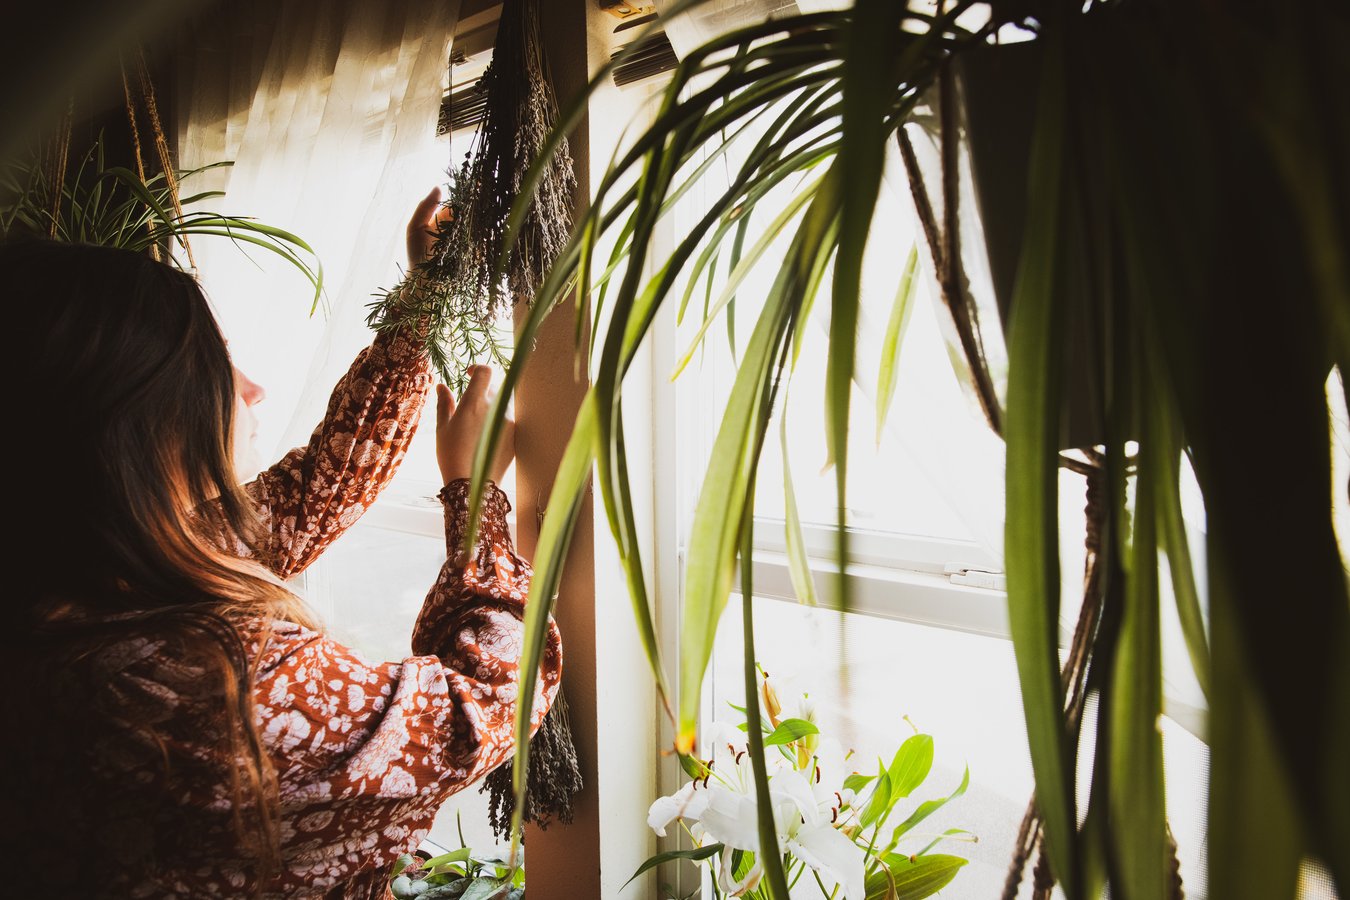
[
  {"x": 113, "y": 206},
  {"x": 1182, "y": 206}
]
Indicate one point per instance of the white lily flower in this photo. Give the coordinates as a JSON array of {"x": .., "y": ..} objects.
[
  {"x": 722, "y": 808},
  {"x": 686, "y": 803},
  {"x": 727, "y": 881},
  {"x": 811, "y": 837}
]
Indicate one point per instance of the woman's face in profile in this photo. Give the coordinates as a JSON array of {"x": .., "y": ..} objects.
[{"x": 247, "y": 394}]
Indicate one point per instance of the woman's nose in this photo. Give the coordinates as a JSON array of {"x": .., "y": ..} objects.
[{"x": 249, "y": 390}]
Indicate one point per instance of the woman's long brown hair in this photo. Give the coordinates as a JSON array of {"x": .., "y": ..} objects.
[{"x": 131, "y": 532}]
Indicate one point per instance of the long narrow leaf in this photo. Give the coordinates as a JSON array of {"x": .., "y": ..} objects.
[
  {"x": 564, "y": 503},
  {"x": 1138, "y": 816},
  {"x": 889, "y": 369},
  {"x": 1032, "y": 433}
]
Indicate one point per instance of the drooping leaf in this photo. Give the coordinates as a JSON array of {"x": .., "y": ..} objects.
[
  {"x": 890, "y": 345},
  {"x": 1138, "y": 815},
  {"x": 696, "y": 854},
  {"x": 799, "y": 566},
  {"x": 1032, "y": 434}
]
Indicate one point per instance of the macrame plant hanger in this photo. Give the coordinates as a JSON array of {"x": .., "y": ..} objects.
[{"x": 944, "y": 247}]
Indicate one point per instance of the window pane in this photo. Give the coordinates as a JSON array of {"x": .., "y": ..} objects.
[{"x": 960, "y": 688}]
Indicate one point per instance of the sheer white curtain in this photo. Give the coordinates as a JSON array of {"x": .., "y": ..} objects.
[{"x": 329, "y": 112}]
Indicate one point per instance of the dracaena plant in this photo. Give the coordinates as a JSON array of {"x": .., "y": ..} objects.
[
  {"x": 113, "y": 206},
  {"x": 1181, "y": 217}
]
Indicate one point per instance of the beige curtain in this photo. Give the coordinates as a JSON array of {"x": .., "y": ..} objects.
[{"x": 329, "y": 112}]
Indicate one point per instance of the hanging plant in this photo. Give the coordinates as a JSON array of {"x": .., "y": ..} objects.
[
  {"x": 112, "y": 206},
  {"x": 1185, "y": 223}
]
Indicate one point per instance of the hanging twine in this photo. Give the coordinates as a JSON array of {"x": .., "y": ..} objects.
[
  {"x": 153, "y": 249},
  {"x": 1174, "y": 866},
  {"x": 1042, "y": 880},
  {"x": 944, "y": 245}
]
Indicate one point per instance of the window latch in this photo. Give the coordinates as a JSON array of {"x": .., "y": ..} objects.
[{"x": 980, "y": 578}]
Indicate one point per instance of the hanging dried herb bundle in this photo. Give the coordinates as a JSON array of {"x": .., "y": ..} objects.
[
  {"x": 553, "y": 777},
  {"x": 460, "y": 330},
  {"x": 461, "y": 291},
  {"x": 520, "y": 112}
]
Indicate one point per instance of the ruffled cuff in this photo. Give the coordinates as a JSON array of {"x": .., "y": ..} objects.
[{"x": 492, "y": 528}]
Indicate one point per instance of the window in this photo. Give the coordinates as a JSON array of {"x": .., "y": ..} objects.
[{"x": 927, "y": 634}]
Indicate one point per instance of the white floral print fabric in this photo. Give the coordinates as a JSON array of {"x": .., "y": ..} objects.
[{"x": 365, "y": 752}]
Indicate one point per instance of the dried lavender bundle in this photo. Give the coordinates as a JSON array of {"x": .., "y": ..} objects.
[
  {"x": 553, "y": 778},
  {"x": 520, "y": 112}
]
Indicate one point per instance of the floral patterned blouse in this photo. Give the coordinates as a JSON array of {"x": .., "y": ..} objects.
[{"x": 365, "y": 752}]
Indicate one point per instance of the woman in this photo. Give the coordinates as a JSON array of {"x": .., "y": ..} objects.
[{"x": 180, "y": 725}]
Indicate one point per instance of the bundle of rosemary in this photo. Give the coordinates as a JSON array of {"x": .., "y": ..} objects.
[{"x": 437, "y": 301}]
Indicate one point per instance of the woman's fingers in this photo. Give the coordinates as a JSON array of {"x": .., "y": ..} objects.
[
  {"x": 422, "y": 227},
  {"x": 445, "y": 405},
  {"x": 423, "y": 215}
]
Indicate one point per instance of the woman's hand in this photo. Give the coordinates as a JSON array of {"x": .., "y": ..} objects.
[
  {"x": 459, "y": 425},
  {"x": 423, "y": 225}
]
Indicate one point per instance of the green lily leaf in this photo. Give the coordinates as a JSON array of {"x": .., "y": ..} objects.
[
  {"x": 790, "y": 730},
  {"x": 697, "y": 854}
]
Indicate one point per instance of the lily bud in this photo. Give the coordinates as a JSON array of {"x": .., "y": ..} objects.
[{"x": 769, "y": 698}]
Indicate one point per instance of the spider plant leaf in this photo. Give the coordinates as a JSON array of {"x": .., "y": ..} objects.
[
  {"x": 571, "y": 116},
  {"x": 1174, "y": 543},
  {"x": 737, "y": 248},
  {"x": 771, "y": 233},
  {"x": 1248, "y": 782},
  {"x": 799, "y": 565},
  {"x": 138, "y": 188},
  {"x": 723, "y": 497},
  {"x": 564, "y": 504},
  {"x": 868, "y": 63},
  {"x": 774, "y": 876},
  {"x": 888, "y": 370},
  {"x": 632, "y": 564},
  {"x": 1138, "y": 817},
  {"x": 199, "y": 197},
  {"x": 1032, "y": 434}
]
